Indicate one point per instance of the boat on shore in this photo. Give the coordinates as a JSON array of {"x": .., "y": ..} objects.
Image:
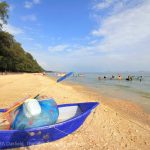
[{"x": 71, "y": 117}]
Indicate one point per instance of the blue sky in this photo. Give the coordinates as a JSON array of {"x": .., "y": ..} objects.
[{"x": 83, "y": 35}]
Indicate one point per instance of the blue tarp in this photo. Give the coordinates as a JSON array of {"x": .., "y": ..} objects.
[{"x": 48, "y": 116}]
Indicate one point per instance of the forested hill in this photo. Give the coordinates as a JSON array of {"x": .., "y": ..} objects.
[{"x": 12, "y": 56}]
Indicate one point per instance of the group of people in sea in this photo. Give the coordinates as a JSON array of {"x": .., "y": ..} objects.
[{"x": 119, "y": 77}]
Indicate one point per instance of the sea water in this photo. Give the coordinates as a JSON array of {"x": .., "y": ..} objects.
[{"x": 136, "y": 91}]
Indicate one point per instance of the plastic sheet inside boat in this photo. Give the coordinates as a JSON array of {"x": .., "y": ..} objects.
[{"x": 48, "y": 116}]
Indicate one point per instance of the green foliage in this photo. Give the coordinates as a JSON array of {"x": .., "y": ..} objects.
[
  {"x": 12, "y": 55},
  {"x": 3, "y": 13}
]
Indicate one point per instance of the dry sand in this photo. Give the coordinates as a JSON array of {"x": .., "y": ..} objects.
[{"x": 115, "y": 125}]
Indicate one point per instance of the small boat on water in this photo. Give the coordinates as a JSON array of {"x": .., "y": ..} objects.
[
  {"x": 71, "y": 117},
  {"x": 60, "y": 74}
]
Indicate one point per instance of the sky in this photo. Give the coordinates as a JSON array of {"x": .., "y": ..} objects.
[{"x": 83, "y": 35}]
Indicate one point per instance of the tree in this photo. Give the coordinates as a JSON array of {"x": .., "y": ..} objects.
[
  {"x": 3, "y": 13},
  {"x": 12, "y": 55}
]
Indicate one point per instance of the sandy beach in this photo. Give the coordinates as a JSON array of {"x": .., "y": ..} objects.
[{"x": 115, "y": 125}]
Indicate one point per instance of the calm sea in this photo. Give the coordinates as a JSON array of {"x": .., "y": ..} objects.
[{"x": 136, "y": 91}]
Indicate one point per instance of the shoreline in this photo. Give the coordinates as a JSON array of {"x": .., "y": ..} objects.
[
  {"x": 125, "y": 107},
  {"x": 107, "y": 128}
]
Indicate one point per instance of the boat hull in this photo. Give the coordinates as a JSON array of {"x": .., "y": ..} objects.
[{"x": 22, "y": 138}]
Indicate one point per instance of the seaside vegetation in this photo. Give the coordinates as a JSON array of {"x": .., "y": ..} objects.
[{"x": 13, "y": 57}]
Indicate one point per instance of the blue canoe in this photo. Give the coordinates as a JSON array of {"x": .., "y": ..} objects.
[
  {"x": 65, "y": 76},
  {"x": 71, "y": 117}
]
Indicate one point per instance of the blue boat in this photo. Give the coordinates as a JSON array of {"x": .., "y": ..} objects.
[
  {"x": 65, "y": 76},
  {"x": 71, "y": 117}
]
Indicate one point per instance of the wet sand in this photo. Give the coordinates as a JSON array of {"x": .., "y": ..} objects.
[{"x": 115, "y": 125}]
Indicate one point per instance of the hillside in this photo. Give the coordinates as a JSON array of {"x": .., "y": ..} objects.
[{"x": 12, "y": 56}]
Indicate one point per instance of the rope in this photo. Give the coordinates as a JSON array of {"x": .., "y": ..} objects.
[
  {"x": 81, "y": 129},
  {"x": 61, "y": 131}
]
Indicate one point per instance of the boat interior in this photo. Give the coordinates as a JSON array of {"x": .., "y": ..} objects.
[{"x": 68, "y": 112}]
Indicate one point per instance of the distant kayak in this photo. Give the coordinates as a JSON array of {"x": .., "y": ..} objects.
[{"x": 65, "y": 76}]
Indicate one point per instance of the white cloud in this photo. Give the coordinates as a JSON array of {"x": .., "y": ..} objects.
[
  {"x": 28, "y": 38},
  {"x": 111, "y": 7},
  {"x": 12, "y": 29},
  {"x": 36, "y": 1},
  {"x": 128, "y": 28},
  {"x": 31, "y": 17},
  {"x": 29, "y": 4},
  {"x": 58, "y": 48},
  {"x": 11, "y": 7},
  {"x": 103, "y": 5},
  {"x": 120, "y": 43}
]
